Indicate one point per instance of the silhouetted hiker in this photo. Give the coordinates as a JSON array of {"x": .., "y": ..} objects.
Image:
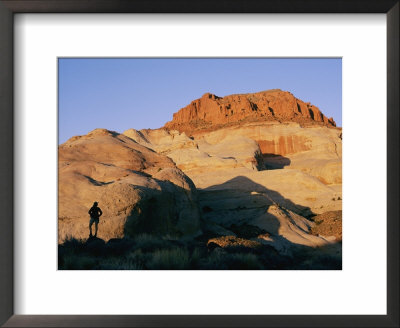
[{"x": 95, "y": 213}]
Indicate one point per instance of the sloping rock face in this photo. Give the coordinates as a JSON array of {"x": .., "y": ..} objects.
[
  {"x": 316, "y": 149},
  {"x": 264, "y": 165},
  {"x": 247, "y": 200},
  {"x": 277, "y": 201},
  {"x": 195, "y": 156},
  {"x": 137, "y": 189},
  {"x": 293, "y": 189},
  {"x": 211, "y": 111}
]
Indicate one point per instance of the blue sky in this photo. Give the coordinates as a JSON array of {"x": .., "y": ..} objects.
[{"x": 118, "y": 94}]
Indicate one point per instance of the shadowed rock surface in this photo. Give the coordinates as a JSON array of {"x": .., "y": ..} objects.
[{"x": 138, "y": 189}]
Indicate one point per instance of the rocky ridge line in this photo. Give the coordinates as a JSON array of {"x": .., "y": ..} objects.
[{"x": 213, "y": 112}]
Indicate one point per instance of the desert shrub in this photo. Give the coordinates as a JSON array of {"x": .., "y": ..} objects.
[
  {"x": 169, "y": 259},
  {"x": 117, "y": 247},
  {"x": 328, "y": 257},
  {"x": 242, "y": 261},
  {"x": 327, "y": 262},
  {"x": 149, "y": 243},
  {"x": 139, "y": 257},
  {"x": 73, "y": 244},
  {"x": 120, "y": 263},
  {"x": 221, "y": 260},
  {"x": 320, "y": 262},
  {"x": 196, "y": 257},
  {"x": 215, "y": 261},
  {"x": 78, "y": 262},
  {"x": 271, "y": 259},
  {"x": 232, "y": 242}
]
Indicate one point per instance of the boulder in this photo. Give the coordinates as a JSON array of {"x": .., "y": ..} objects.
[{"x": 138, "y": 190}]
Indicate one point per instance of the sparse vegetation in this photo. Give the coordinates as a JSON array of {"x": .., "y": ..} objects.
[
  {"x": 328, "y": 224},
  {"x": 169, "y": 259},
  {"x": 148, "y": 252}
]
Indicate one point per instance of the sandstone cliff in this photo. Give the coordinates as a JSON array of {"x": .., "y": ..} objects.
[
  {"x": 211, "y": 111},
  {"x": 315, "y": 149},
  {"x": 288, "y": 132}
]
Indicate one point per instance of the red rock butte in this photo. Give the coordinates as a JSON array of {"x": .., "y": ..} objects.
[{"x": 213, "y": 112}]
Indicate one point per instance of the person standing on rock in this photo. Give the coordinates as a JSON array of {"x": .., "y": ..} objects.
[{"x": 95, "y": 212}]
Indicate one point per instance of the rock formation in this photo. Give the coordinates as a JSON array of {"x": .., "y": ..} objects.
[
  {"x": 250, "y": 169},
  {"x": 265, "y": 161},
  {"x": 198, "y": 156},
  {"x": 268, "y": 200},
  {"x": 211, "y": 111},
  {"x": 288, "y": 132},
  {"x": 138, "y": 189},
  {"x": 314, "y": 149}
]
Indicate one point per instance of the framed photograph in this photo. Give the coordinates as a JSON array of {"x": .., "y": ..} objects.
[
  {"x": 255, "y": 181},
  {"x": 214, "y": 164}
]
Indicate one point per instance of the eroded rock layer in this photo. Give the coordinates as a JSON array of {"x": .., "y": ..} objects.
[{"x": 211, "y": 111}]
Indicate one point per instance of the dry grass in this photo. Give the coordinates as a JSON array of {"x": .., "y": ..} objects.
[
  {"x": 147, "y": 252},
  {"x": 170, "y": 259},
  {"x": 221, "y": 260}
]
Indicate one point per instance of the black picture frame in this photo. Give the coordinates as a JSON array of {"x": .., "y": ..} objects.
[{"x": 10, "y": 7}]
